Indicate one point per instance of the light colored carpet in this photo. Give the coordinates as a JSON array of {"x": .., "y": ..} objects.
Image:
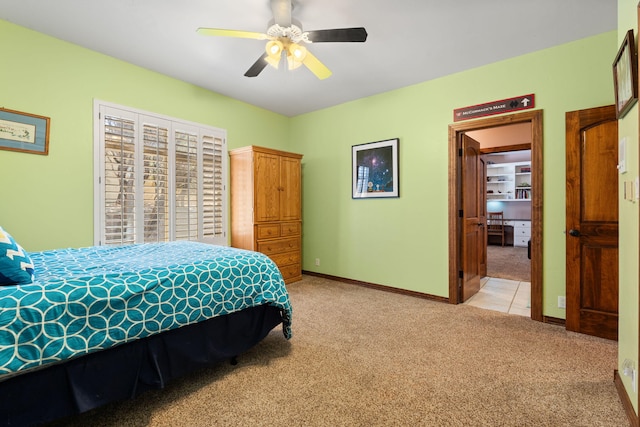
[
  {"x": 508, "y": 262},
  {"x": 364, "y": 357}
]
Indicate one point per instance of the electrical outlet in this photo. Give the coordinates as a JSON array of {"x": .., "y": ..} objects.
[
  {"x": 629, "y": 370},
  {"x": 627, "y": 367},
  {"x": 318, "y": 262},
  {"x": 562, "y": 302}
]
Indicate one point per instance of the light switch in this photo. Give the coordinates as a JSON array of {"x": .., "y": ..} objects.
[
  {"x": 628, "y": 190},
  {"x": 622, "y": 155}
]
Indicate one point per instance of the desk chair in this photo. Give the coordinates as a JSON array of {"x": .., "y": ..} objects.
[{"x": 495, "y": 225}]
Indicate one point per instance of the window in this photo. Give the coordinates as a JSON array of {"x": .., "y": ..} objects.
[
  {"x": 363, "y": 179},
  {"x": 157, "y": 178}
]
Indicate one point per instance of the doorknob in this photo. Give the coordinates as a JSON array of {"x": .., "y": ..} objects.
[
  {"x": 480, "y": 224},
  {"x": 574, "y": 233}
]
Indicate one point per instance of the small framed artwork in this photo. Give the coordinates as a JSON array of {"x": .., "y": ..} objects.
[
  {"x": 625, "y": 76},
  {"x": 375, "y": 169},
  {"x": 24, "y": 132}
]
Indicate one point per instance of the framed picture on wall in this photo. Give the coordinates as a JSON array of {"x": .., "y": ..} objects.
[
  {"x": 625, "y": 76},
  {"x": 24, "y": 132},
  {"x": 375, "y": 169}
]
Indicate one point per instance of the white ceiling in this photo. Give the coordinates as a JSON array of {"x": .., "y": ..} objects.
[{"x": 410, "y": 41}]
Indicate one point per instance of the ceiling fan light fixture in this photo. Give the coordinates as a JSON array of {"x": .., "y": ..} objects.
[
  {"x": 295, "y": 55},
  {"x": 274, "y": 61},
  {"x": 274, "y": 49},
  {"x": 297, "y": 51}
]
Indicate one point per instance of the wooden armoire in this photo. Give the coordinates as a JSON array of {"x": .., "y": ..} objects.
[{"x": 266, "y": 212}]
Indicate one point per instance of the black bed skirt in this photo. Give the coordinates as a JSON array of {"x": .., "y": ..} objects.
[{"x": 125, "y": 371}]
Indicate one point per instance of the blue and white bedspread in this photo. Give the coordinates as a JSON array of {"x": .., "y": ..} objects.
[{"x": 89, "y": 299}]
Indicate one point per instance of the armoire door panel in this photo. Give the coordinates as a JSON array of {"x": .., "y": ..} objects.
[
  {"x": 290, "y": 181},
  {"x": 266, "y": 186}
]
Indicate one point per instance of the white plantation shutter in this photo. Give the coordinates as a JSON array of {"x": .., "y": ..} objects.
[
  {"x": 119, "y": 217},
  {"x": 187, "y": 174},
  {"x": 158, "y": 179},
  {"x": 212, "y": 186},
  {"x": 155, "y": 183}
]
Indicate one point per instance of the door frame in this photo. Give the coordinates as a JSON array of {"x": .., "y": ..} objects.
[{"x": 455, "y": 190}]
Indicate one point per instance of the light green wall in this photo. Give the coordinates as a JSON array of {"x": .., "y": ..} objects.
[
  {"x": 47, "y": 201},
  {"x": 404, "y": 242},
  {"x": 629, "y": 234}
]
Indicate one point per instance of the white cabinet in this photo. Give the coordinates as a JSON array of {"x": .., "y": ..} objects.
[
  {"x": 509, "y": 181},
  {"x": 521, "y": 233}
]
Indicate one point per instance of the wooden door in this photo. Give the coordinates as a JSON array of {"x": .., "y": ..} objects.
[
  {"x": 267, "y": 185},
  {"x": 482, "y": 256},
  {"x": 473, "y": 237},
  {"x": 290, "y": 182},
  {"x": 592, "y": 222}
]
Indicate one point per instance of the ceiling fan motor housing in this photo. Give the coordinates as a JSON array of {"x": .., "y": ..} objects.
[{"x": 293, "y": 33}]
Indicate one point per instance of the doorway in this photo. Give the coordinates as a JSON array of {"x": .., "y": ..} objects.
[
  {"x": 458, "y": 255},
  {"x": 506, "y": 284}
]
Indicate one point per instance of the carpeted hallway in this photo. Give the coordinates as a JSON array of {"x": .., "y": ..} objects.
[
  {"x": 364, "y": 357},
  {"x": 508, "y": 262}
]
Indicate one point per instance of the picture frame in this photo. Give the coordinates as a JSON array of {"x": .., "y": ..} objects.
[
  {"x": 24, "y": 132},
  {"x": 375, "y": 169},
  {"x": 625, "y": 76}
]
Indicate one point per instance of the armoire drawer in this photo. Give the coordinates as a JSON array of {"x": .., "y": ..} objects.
[
  {"x": 293, "y": 271},
  {"x": 269, "y": 247},
  {"x": 267, "y": 231},
  {"x": 277, "y": 229},
  {"x": 286, "y": 258},
  {"x": 290, "y": 229}
]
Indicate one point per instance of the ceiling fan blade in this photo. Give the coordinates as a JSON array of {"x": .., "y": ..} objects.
[
  {"x": 281, "y": 12},
  {"x": 358, "y": 34},
  {"x": 257, "y": 66},
  {"x": 316, "y": 67},
  {"x": 231, "y": 33}
]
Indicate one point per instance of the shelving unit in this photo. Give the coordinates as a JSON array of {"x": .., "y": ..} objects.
[
  {"x": 522, "y": 174},
  {"x": 509, "y": 182}
]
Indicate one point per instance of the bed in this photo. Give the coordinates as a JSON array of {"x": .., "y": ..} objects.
[{"x": 80, "y": 328}]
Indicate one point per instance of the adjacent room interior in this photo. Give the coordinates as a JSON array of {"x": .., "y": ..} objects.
[{"x": 507, "y": 284}]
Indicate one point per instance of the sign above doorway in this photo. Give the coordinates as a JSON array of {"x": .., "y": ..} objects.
[{"x": 508, "y": 105}]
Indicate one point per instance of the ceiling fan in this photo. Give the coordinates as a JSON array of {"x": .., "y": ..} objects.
[{"x": 284, "y": 37}]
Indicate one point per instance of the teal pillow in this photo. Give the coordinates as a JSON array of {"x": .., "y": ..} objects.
[{"x": 16, "y": 267}]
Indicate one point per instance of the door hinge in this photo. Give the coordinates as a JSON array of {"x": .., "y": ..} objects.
[
  {"x": 460, "y": 213},
  {"x": 460, "y": 152},
  {"x": 460, "y": 275}
]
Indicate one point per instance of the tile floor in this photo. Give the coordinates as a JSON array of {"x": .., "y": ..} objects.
[{"x": 507, "y": 296}]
